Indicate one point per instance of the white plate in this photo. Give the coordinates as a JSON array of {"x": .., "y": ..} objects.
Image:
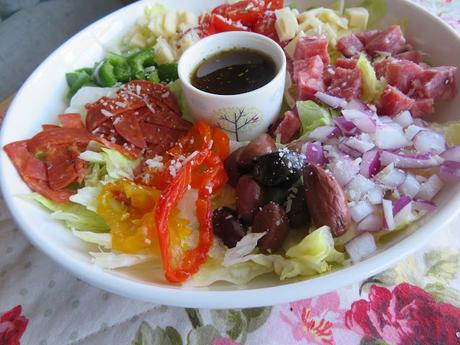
[{"x": 41, "y": 98}]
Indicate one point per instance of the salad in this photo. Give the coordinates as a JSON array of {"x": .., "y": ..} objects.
[{"x": 355, "y": 155}]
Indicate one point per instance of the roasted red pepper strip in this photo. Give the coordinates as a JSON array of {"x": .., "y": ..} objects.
[{"x": 180, "y": 265}]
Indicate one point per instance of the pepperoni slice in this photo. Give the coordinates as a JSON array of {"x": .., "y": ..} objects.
[
  {"x": 25, "y": 162},
  {"x": 159, "y": 134},
  {"x": 71, "y": 120},
  {"x": 128, "y": 127},
  {"x": 56, "y": 136},
  {"x": 47, "y": 126},
  {"x": 130, "y": 151},
  {"x": 165, "y": 118}
]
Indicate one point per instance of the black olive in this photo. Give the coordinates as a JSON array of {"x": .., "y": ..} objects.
[
  {"x": 296, "y": 206},
  {"x": 276, "y": 194},
  {"x": 227, "y": 226},
  {"x": 271, "y": 219},
  {"x": 280, "y": 168}
]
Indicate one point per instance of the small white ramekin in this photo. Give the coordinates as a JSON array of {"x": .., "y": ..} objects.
[{"x": 243, "y": 116}]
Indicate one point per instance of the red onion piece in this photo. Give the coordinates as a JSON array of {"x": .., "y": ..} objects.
[
  {"x": 359, "y": 144},
  {"x": 360, "y": 119},
  {"x": 391, "y": 177},
  {"x": 429, "y": 142},
  {"x": 348, "y": 150},
  {"x": 410, "y": 187},
  {"x": 372, "y": 223},
  {"x": 407, "y": 161},
  {"x": 450, "y": 171},
  {"x": 371, "y": 164},
  {"x": 346, "y": 127},
  {"x": 375, "y": 195},
  {"x": 356, "y": 104},
  {"x": 412, "y": 131},
  {"x": 389, "y": 222},
  {"x": 361, "y": 247},
  {"x": 424, "y": 206},
  {"x": 404, "y": 119},
  {"x": 360, "y": 210},
  {"x": 323, "y": 133},
  {"x": 387, "y": 137},
  {"x": 452, "y": 154},
  {"x": 399, "y": 204},
  {"x": 314, "y": 153},
  {"x": 430, "y": 188},
  {"x": 344, "y": 170},
  {"x": 332, "y": 101},
  {"x": 358, "y": 187}
]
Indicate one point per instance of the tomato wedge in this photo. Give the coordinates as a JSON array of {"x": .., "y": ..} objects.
[
  {"x": 265, "y": 25},
  {"x": 246, "y": 12},
  {"x": 222, "y": 24}
]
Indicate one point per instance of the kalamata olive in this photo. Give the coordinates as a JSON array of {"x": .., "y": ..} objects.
[
  {"x": 278, "y": 168},
  {"x": 261, "y": 145},
  {"x": 250, "y": 196},
  {"x": 273, "y": 220},
  {"x": 276, "y": 194},
  {"x": 227, "y": 226},
  {"x": 234, "y": 171},
  {"x": 296, "y": 208}
]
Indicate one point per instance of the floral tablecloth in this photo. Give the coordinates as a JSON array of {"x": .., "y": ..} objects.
[{"x": 416, "y": 302}]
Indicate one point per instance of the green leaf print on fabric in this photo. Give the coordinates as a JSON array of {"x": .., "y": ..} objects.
[
  {"x": 442, "y": 265},
  {"x": 369, "y": 341},
  {"x": 256, "y": 317},
  {"x": 203, "y": 335},
  {"x": 146, "y": 335}
]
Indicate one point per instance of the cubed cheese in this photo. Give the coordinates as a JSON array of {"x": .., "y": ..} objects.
[
  {"x": 286, "y": 24},
  {"x": 169, "y": 24},
  {"x": 164, "y": 53},
  {"x": 357, "y": 17},
  {"x": 187, "y": 18},
  {"x": 290, "y": 48},
  {"x": 137, "y": 40},
  {"x": 156, "y": 25}
]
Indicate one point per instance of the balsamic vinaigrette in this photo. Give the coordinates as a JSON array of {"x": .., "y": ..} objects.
[{"x": 234, "y": 71}]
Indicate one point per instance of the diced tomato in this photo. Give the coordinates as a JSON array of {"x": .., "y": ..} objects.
[
  {"x": 272, "y": 5},
  {"x": 265, "y": 25},
  {"x": 222, "y": 24},
  {"x": 246, "y": 12},
  {"x": 205, "y": 27}
]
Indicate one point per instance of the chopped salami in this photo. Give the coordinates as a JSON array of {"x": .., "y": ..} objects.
[
  {"x": 346, "y": 83},
  {"x": 288, "y": 127},
  {"x": 366, "y": 36},
  {"x": 71, "y": 120},
  {"x": 390, "y": 40},
  {"x": 350, "y": 45},
  {"x": 401, "y": 73},
  {"x": 346, "y": 63},
  {"x": 392, "y": 102},
  {"x": 381, "y": 67},
  {"x": 128, "y": 127},
  {"x": 422, "y": 107},
  {"x": 310, "y": 78},
  {"x": 437, "y": 83},
  {"x": 411, "y": 55},
  {"x": 309, "y": 46}
]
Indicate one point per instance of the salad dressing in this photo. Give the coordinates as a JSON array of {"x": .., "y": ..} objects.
[{"x": 234, "y": 71}]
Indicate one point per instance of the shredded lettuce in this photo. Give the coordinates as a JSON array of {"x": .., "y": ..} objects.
[
  {"x": 87, "y": 196},
  {"x": 176, "y": 89},
  {"x": 315, "y": 254},
  {"x": 110, "y": 260},
  {"x": 312, "y": 116},
  {"x": 101, "y": 239},
  {"x": 74, "y": 216},
  {"x": 116, "y": 164},
  {"x": 377, "y": 10}
]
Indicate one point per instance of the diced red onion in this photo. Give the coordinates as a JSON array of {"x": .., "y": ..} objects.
[
  {"x": 385, "y": 120},
  {"x": 421, "y": 123},
  {"x": 360, "y": 210},
  {"x": 412, "y": 131},
  {"x": 389, "y": 138},
  {"x": 375, "y": 195},
  {"x": 359, "y": 145},
  {"x": 332, "y": 101},
  {"x": 388, "y": 214},
  {"x": 429, "y": 142},
  {"x": 323, "y": 133},
  {"x": 450, "y": 171},
  {"x": 399, "y": 204},
  {"x": 348, "y": 150},
  {"x": 371, "y": 164},
  {"x": 361, "y": 247},
  {"x": 410, "y": 186},
  {"x": 430, "y": 188},
  {"x": 372, "y": 223},
  {"x": 356, "y": 104},
  {"x": 344, "y": 170},
  {"x": 361, "y": 120},
  {"x": 424, "y": 206},
  {"x": 404, "y": 215},
  {"x": 407, "y": 161},
  {"x": 358, "y": 187},
  {"x": 404, "y": 119},
  {"x": 314, "y": 153},
  {"x": 452, "y": 154},
  {"x": 390, "y": 177},
  {"x": 346, "y": 127}
]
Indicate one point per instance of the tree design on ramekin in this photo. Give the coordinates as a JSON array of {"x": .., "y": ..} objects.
[{"x": 236, "y": 120}]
